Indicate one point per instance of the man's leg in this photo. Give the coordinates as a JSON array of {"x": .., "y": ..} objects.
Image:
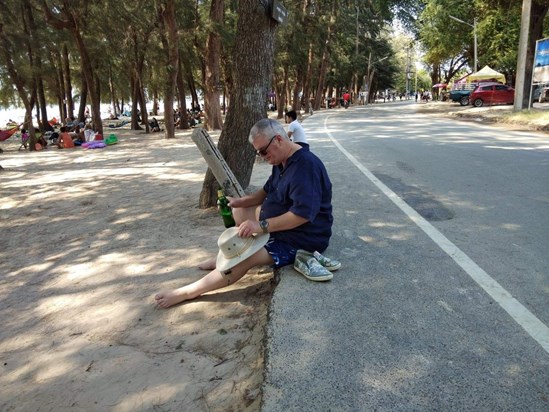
[
  {"x": 213, "y": 280},
  {"x": 240, "y": 215}
]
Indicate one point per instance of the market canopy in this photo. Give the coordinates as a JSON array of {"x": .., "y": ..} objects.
[{"x": 486, "y": 73}]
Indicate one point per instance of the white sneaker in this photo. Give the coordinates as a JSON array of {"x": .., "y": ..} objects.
[
  {"x": 331, "y": 264},
  {"x": 311, "y": 269}
]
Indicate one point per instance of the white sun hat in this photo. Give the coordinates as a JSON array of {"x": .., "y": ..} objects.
[{"x": 233, "y": 249}]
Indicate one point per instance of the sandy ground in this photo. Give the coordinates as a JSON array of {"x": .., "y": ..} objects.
[
  {"x": 494, "y": 115},
  {"x": 87, "y": 238}
]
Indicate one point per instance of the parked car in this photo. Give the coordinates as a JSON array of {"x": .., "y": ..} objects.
[
  {"x": 460, "y": 93},
  {"x": 492, "y": 93},
  {"x": 541, "y": 93}
]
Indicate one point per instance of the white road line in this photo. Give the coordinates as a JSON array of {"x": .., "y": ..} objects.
[{"x": 529, "y": 322}]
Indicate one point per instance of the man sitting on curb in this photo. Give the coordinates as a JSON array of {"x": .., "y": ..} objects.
[{"x": 293, "y": 208}]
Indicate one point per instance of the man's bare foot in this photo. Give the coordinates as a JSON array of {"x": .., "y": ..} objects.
[
  {"x": 208, "y": 264},
  {"x": 167, "y": 298}
]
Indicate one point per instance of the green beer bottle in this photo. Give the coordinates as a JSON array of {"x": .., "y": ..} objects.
[{"x": 225, "y": 209}]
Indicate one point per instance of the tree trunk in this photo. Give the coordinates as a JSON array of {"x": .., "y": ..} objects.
[
  {"x": 228, "y": 81},
  {"x": 167, "y": 16},
  {"x": 143, "y": 105},
  {"x": 68, "y": 82},
  {"x": 307, "y": 76},
  {"x": 537, "y": 16},
  {"x": 136, "y": 71},
  {"x": 155, "y": 103},
  {"x": 19, "y": 83},
  {"x": 309, "y": 24},
  {"x": 322, "y": 75},
  {"x": 280, "y": 91},
  {"x": 92, "y": 80},
  {"x": 190, "y": 82},
  {"x": 212, "y": 69},
  {"x": 182, "y": 109},
  {"x": 296, "y": 100},
  {"x": 58, "y": 64},
  {"x": 29, "y": 126},
  {"x": 73, "y": 25},
  {"x": 253, "y": 62},
  {"x": 112, "y": 91},
  {"x": 83, "y": 97},
  {"x": 287, "y": 94},
  {"x": 45, "y": 126},
  {"x": 325, "y": 56},
  {"x": 35, "y": 58},
  {"x": 135, "y": 100}
]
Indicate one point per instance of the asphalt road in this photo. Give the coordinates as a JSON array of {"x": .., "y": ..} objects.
[{"x": 441, "y": 304}]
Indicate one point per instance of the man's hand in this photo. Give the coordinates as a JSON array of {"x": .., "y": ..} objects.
[
  {"x": 234, "y": 202},
  {"x": 249, "y": 228}
]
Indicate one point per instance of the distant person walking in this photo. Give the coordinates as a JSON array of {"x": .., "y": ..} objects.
[
  {"x": 346, "y": 99},
  {"x": 295, "y": 130}
]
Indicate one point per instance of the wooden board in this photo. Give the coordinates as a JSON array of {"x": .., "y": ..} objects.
[{"x": 223, "y": 174}]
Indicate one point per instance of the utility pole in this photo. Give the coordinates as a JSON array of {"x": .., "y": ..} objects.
[
  {"x": 415, "y": 83},
  {"x": 475, "y": 46},
  {"x": 521, "y": 58},
  {"x": 408, "y": 70},
  {"x": 415, "y": 70},
  {"x": 368, "y": 82},
  {"x": 355, "y": 75}
]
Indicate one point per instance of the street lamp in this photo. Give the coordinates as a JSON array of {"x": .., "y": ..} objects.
[{"x": 474, "y": 26}]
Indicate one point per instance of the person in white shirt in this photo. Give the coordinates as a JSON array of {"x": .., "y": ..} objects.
[{"x": 295, "y": 131}]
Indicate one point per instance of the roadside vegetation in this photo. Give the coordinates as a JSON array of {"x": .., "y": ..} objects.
[
  {"x": 533, "y": 119},
  {"x": 536, "y": 119}
]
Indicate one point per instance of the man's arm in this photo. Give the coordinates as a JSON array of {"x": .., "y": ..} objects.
[
  {"x": 286, "y": 221},
  {"x": 254, "y": 199},
  {"x": 291, "y": 128}
]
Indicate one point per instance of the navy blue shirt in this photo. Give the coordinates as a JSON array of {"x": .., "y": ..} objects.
[{"x": 303, "y": 188}]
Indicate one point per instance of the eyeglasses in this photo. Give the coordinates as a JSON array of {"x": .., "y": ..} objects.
[{"x": 263, "y": 152}]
